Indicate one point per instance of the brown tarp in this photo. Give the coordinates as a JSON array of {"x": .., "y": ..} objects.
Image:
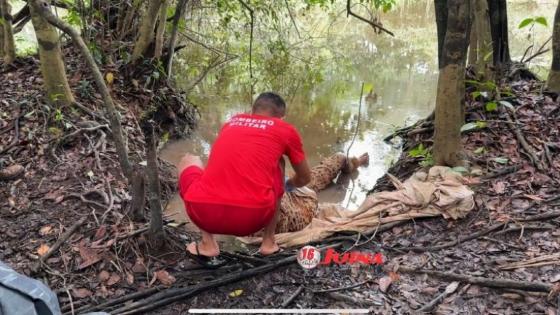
[{"x": 441, "y": 191}]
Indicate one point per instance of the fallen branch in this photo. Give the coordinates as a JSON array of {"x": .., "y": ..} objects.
[
  {"x": 63, "y": 238},
  {"x": 481, "y": 281},
  {"x": 452, "y": 287},
  {"x": 359, "y": 284},
  {"x": 292, "y": 297},
  {"x": 538, "y": 217},
  {"x": 523, "y": 142},
  {"x": 172, "y": 295}
]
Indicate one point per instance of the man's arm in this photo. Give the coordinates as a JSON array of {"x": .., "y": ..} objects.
[{"x": 302, "y": 176}]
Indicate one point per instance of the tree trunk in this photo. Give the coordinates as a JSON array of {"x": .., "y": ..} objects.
[
  {"x": 553, "y": 82},
  {"x": 146, "y": 31},
  {"x": 50, "y": 55},
  {"x": 1, "y": 37},
  {"x": 499, "y": 30},
  {"x": 154, "y": 192},
  {"x": 126, "y": 24},
  {"x": 440, "y": 7},
  {"x": 9, "y": 47},
  {"x": 473, "y": 44},
  {"x": 161, "y": 30},
  {"x": 179, "y": 13},
  {"x": 116, "y": 128},
  {"x": 451, "y": 86},
  {"x": 138, "y": 197},
  {"x": 484, "y": 39}
]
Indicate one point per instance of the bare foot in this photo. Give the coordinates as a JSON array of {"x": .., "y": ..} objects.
[
  {"x": 363, "y": 160},
  {"x": 268, "y": 248},
  {"x": 204, "y": 249}
]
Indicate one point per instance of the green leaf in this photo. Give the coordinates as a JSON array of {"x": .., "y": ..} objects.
[
  {"x": 469, "y": 126},
  {"x": 480, "y": 150},
  {"x": 460, "y": 169},
  {"x": 368, "y": 87},
  {"x": 236, "y": 293},
  {"x": 501, "y": 160},
  {"x": 526, "y": 22},
  {"x": 491, "y": 106},
  {"x": 476, "y": 94},
  {"x": 481, "y": 124},
  {"x": 541, "y": 20},
  {"x": 506, "y": 104},
  {"x": 473, "y": 126}
]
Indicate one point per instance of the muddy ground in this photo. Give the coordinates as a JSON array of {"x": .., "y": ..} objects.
[{"x": 70, "y": 172}]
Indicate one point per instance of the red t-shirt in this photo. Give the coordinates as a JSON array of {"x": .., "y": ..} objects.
[{"x": 243, "y": 167}]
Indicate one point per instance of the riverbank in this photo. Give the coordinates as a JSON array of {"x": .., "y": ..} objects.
[{"x": 514, "y": 168}]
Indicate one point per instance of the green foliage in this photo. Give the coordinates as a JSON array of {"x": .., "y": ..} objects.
[
  {"x": 491, "y": 106},
  {"x": 419, "y": 151},
  {"x": 473, "y": 126},
  {"x": 480, "y": 150},
  {"x": 532, "y": 21},
  {"x": 58, "y": 115},
  {"x": 500, "y": 160},
  {"x": 73, "y": 17}
]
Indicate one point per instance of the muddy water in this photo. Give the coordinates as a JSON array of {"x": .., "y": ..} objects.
[{"x": 403, "y": 72}]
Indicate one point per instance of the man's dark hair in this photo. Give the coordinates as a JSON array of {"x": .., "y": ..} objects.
[{"x": 270, "y": 101}]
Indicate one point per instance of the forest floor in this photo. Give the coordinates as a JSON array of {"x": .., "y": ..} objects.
[{"x": 65, "y": 181}]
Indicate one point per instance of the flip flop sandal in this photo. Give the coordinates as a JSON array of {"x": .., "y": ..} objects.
[
  {"x": 206, "y": 261},
  {"x": 259, "y": 255}
]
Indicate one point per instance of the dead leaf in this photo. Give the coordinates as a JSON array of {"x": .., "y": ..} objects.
[
  {"x": 556, "y": 278},
  {"x": 450, "y": 288},
  {"x": 45, "y": 230},
  {"x": 533, "y": 197},
  {"x": 499, "y": 187},
  {"x": 139, "y": 266},
  {"x": 384, "y": 283},
  {"x": 43, "y": 249},
  {"x": 81, "y": 293},
  {"x": 129, "y": 278},
  {"x": 164, "y": 277},
  {"x": 103, "y": 275},
  {"x": 113, "y": 279},
  {"x": 89, "y": 256},
  {"x": 236, "y": 293},
  {"x": 100, "y": 233}
]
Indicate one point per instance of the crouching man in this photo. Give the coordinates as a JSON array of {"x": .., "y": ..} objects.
[{"x": 239, "y": 191}]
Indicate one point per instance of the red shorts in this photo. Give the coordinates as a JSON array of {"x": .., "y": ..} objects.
[{"x": 224, "y": 219}]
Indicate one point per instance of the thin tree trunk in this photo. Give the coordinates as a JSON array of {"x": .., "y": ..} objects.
[
  {"x": 484, "y": 39},
  {"x": 440, "y": 7},
  {"x": 553, "y": 82},
  {"x": 116, "y": 128},
  {"x": 473, "y": 43},
  {"x": 499, "y": 30},
  {"x": 161, "y": 30},
  {"x": 50, "y": 56},
  {"x": 1, "y": 37},
  {"x": 126, "y": 25},
  {"x": 146, "y": 32},
  {"x": 9, "y": 47},
  {"x": 154, "y": 191},
  {"x": 179, "y": 13},
  {"x": 451, "y": 86},
  {"x": 138, "y": 197}
]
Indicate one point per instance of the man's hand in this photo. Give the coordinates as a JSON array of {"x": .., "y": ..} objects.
[
  {"x": 189, "y": 160},
  {"x": 302, "y": 176}
]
